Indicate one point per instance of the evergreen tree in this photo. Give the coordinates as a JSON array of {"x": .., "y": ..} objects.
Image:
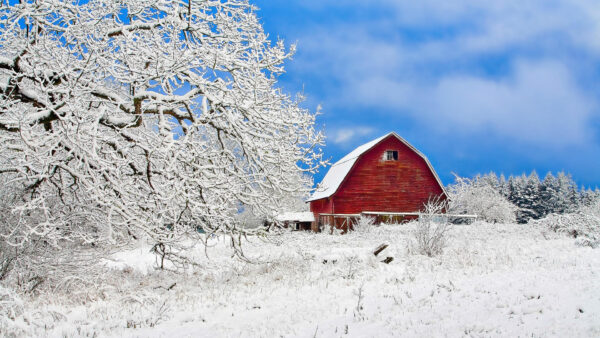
[
  {"x": 512, "y": 190},
  {"x": 503, "y": 186},
  {"x": 567, "y": 195},
  {"x": 536, "y": 199},
  {"x": 490, "y": 179},
  {"x": 532, "y": 201},
  {"x": 549, "y": 190},
  {"x": 588, "y": 197}
]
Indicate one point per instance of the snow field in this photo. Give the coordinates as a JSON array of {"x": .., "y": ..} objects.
[{"x": 492, "y": 280}]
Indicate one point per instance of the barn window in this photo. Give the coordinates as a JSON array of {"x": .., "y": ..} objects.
[{"x": 391, "y": 155}]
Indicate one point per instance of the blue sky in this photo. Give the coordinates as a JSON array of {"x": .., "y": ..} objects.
[{"x": 507, "y": 86}]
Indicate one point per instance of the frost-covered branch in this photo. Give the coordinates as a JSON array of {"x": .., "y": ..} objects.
[
  {"x": 479, "y": 197},
  {"x": 121, "y": 119}
]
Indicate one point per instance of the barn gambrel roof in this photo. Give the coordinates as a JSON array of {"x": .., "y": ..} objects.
[{"x": 340, "y": 169}]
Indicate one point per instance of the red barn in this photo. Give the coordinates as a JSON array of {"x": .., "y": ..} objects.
[{"x": 386, "y": 178}]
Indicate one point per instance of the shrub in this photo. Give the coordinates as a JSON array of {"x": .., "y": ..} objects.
[
  {"x": 432, "y": 228},
  {"x": 582, "y": 224},
  {"x": 11, "y": 307},
  {"x": 363, "y": 224}
]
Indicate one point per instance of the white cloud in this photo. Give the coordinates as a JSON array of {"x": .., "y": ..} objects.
[
  {"x": 347, "y": 135},
  {"x": 537, "y": 98},
  {"x": 538, "y": 103},
  {"x": 490, "y": 23},
  {"x": 453, "y": 32}
]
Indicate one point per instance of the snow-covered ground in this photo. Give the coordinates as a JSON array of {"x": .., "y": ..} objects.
[{"x": 492, "y": 280}]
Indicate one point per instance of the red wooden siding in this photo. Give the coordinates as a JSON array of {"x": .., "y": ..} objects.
[{"x": 374, "y": 184}]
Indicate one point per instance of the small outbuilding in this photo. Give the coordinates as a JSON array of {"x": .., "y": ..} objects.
[
  {"x": 296, "y": 220},
  {"x": 386, "y": 178}
]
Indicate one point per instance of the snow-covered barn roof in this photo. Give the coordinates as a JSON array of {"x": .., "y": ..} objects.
[
  {"x": 305, "y": 216},
  {"x": 338, "y": 171}
]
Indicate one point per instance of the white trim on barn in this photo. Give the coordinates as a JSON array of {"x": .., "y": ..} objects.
[{"x": 338, "y": 171}]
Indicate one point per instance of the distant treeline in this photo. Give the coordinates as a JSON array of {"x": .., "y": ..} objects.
[{"x": 537, "y": 198}]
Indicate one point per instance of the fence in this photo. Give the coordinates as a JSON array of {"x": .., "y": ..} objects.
[{"x": 345, "y": 222}]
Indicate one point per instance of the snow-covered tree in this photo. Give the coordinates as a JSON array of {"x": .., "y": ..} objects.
[
  {"x": 549, "y": 193},
  {"x": 531, "y": 203},
  {"x": 533, "y": 198},
  {"x": 589, "y": 196},
  {"x": 560, "y": 194},
  {"x": 480, "y": 196},
  {"x": 490, "y": 179},
  {"x": 287, "y": 201},
  {"x": 525, "y": 193},
  {"x": 156, "y": 118}
]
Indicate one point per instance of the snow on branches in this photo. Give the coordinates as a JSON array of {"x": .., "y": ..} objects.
[
  {"x": 128, "y": 118},
  {"x": 499, "y": 199},
  {"x": 477, "y": 196},
  {"x": 582, "y": 223}
]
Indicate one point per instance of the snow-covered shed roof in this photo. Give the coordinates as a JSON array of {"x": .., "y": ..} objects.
[
  {"x": 305, "y": 216},
  {"x": 338, "y": 171}
]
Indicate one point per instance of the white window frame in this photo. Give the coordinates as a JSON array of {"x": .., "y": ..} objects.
[{"x": 388, "y": 155}]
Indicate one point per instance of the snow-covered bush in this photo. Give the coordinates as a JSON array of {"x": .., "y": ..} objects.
[
  {"x": 432, "y": 228},
  {"x": 364, "y": 224},
  {"x": 582, "y": 224},
  {"x": 478, "y": 197},
  {"x": 11, "y": 308}
]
